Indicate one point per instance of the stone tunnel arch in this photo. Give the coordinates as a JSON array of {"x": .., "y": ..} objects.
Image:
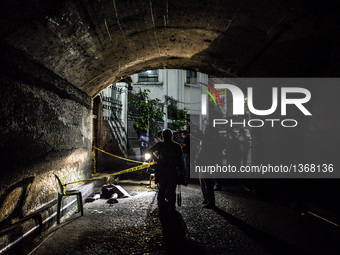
[
  {"x": 57, "y": 55},
  {"x": 93, "y": 44}
]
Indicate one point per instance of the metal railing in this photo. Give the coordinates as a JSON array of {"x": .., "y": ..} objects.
[{"x": 117, "y": 128}]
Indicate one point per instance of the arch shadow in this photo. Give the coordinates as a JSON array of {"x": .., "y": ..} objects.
[
  {"x": 176, "y": 235},
  {"x": 269, "y": 242}
]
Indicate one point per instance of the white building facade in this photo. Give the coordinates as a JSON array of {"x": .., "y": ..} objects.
[
  {"x": 170, "y": 86},
  {"x": 175, "y": 86}
]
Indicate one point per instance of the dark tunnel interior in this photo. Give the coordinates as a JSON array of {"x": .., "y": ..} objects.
[{"x": 56, "y": 56}]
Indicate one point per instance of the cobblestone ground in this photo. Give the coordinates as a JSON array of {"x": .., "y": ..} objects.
[{"x": 242, "y": 223}]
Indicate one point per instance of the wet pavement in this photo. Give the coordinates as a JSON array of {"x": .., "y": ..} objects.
[{"x": 242, "y": 223}]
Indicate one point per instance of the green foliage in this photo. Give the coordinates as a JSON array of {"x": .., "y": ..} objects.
[
  {"x": 178, "y": 116},
  {"x": 145, "y": 109}
]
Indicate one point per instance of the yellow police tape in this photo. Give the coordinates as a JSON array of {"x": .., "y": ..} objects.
[{"x": 128, "y": 170}]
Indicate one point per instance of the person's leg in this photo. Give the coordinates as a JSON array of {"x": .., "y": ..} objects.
[
  {"x": 204, "y": 189},
  {"x": 217, "y": 184},
  {"x": 143, "y": 150},
  {"x": 161, "y": 195},
  {"x": 187, "y": 167},
  {"x": 171, "y": 195},
  {"x": 210, "y": 192},
  {"x": 244, "y": 158}
]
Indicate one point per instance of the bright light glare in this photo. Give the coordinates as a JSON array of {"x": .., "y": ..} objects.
[{"x": 147, "y": 156}]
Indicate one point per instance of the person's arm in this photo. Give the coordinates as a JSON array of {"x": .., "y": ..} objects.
[
  {"x": 153, "y": 149},
  {"x": 144, "y": 139},
  {"x": 180, "y": 156},
  {"x": 140, "y": 141},
  {"x": 186, "y": 142}
]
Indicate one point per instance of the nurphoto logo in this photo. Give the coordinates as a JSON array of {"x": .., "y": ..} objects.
[{"x": 301, "y": 97}]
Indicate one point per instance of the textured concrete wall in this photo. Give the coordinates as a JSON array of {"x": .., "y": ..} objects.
[{"x": 45, "y": 128}]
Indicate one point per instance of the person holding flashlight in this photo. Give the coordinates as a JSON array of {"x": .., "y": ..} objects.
[
  {"x": 143, "y": 142},
  {"x": 169, "y": 157}
]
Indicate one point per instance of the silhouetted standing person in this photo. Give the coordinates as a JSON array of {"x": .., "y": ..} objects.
[
  {"x": 195, "y": 140},
  {"x": 208, "y": 155},
  {"x": 244, "y": 143},
  {"x": 158, "y": 138},
  {"x": 169, "y": 159},
  {"x": 233, "y": 150},
  {"x": 186, "y": 154}
]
